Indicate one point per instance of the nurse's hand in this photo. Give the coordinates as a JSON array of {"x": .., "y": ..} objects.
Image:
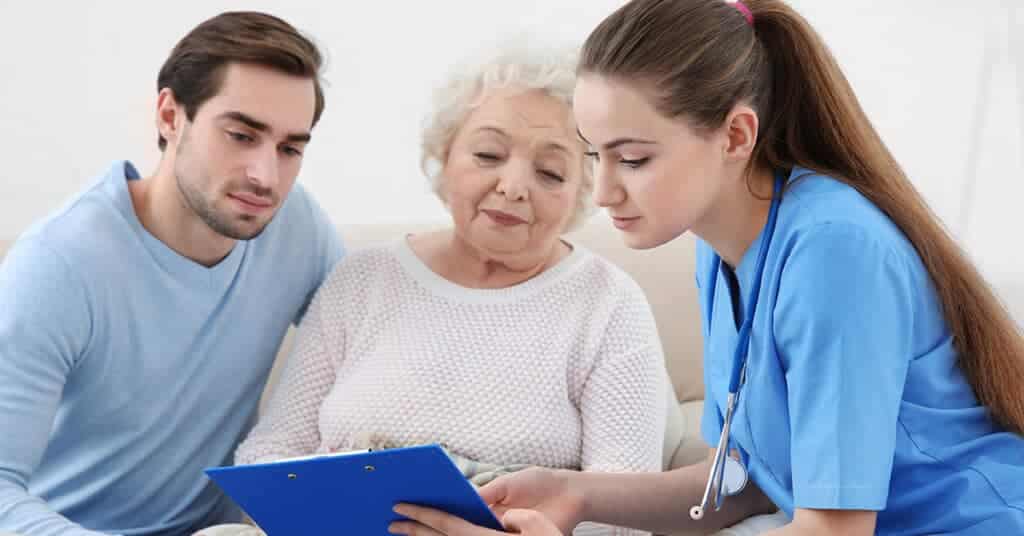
[
  {"x": 551, "y": 492},
  {"x": 429, "y": 522}
]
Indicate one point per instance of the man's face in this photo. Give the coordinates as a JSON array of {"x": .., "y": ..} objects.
[{"x": 236, "y": 161}]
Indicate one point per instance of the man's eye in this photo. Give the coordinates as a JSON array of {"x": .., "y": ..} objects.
[
  {"x": 291, "y": 151},
  {"x": 239, "y": 137}
]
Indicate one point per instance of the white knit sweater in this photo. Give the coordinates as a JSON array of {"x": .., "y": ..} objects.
[{"x": 564, "y": 370}]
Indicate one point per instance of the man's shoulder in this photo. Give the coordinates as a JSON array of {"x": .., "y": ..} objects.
[
  {"x": 63, "y": 255},
  {"x": 89, "y": 226}
]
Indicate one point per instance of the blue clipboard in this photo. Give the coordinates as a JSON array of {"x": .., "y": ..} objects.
[{"x": 350, "y": 493}]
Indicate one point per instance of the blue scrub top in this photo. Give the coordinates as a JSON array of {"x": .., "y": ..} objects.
[{"x": 853, "y": 398}]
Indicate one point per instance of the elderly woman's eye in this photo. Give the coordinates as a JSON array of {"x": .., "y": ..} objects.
[
  {"x": 592, "y": 154},
  {"x": 552, "y": 175},
  {"x": 490, "y": 157}
]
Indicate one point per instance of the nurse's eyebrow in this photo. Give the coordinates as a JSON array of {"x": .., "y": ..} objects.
[
  {"x": 624, "y": 141},
  {"x": 618, "y": 142}
]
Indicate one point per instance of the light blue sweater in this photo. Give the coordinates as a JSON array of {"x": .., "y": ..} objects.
[{"x": 126, "y": 369}]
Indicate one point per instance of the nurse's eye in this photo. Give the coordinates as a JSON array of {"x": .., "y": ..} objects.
[{"x": 634, "y": 163}]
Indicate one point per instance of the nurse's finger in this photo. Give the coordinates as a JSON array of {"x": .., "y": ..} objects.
[
  {"x": 500, "y": 511},
  {"x": 495, "y": 491},
  {"x": 529, "y": 523},
  {"x": 440, "y": 522}
]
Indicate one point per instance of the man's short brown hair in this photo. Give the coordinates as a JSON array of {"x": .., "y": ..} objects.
[{"x": 194, "y": 71}]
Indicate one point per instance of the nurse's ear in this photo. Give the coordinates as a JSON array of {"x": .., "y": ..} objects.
[{"x": 740, "y": 130}]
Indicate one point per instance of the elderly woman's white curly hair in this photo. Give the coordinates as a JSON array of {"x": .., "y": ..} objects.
[{"x": 516, "y": 67}]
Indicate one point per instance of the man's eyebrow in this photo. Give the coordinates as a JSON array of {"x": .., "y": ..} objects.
[
  {"x": 256, "y": 124},
  {"x": 246, "y": 120},
  {"x": 298, "y": 138}
]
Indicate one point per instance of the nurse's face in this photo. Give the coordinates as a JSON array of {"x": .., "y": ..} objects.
[{"x": 657, "y": 176}]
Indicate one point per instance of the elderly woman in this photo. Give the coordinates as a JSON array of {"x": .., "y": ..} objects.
[{"x": 497, "y": 337}]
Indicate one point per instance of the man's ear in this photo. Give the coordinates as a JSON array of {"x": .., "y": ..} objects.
[{"x": 170, "y": 116}]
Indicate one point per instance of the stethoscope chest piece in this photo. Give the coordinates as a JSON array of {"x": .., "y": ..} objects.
[{"x": 734, "y": 477}]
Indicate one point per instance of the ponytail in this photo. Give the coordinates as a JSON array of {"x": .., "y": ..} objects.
[{"x": 705, "y": 56}]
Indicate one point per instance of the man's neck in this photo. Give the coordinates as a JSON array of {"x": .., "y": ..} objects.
[{"x": 163, "y": 211}]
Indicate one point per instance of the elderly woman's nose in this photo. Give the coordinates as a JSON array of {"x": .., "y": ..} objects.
[{"x": 514, "y": 179}]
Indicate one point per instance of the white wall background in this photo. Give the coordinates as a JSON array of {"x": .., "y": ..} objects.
[{"x": 942, "y": 79}]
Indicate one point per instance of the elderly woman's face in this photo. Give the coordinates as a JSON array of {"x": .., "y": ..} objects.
[{"x": 513, "y": 173}]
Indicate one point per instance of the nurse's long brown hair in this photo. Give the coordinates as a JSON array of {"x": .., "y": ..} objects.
[{"x": 702, "y": 57}]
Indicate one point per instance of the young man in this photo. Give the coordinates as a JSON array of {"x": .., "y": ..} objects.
[{"x": 140, "y": 321}]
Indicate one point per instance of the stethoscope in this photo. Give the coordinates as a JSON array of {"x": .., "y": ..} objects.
[{"x": 728, "y": 476}]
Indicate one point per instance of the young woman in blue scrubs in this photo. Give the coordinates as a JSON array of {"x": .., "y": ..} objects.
[{"x": 883, "y": 391}]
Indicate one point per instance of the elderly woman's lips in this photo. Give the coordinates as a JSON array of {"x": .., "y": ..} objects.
[{"x": 503, "y": 218}]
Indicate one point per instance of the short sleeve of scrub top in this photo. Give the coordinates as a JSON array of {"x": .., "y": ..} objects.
[
  {"x": 854, "y": 398},
  {"x": 843, "y": 324},
  {"x": 841, "y": 313}
]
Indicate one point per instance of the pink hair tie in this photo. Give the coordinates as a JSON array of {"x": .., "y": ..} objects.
[{"x": 747, "y": 14}]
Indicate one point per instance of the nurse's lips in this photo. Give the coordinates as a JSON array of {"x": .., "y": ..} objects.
[{"x": 623, "y": 223}]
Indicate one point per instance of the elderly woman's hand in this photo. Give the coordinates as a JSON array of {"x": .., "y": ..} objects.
[{"x": 429, "y": 522}]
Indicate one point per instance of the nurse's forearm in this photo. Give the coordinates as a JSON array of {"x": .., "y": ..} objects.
[
  {"x": 660, "y": 502},
  {"x": 807, "y": 522}
]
